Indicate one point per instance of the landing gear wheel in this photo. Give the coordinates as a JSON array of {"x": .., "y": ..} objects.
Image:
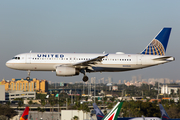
[
  {"x": 27, "y": 78},
  {"x": 85, "y": 78}
]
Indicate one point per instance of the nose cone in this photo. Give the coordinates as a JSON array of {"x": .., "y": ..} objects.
[{"x": 9, "y": 64}]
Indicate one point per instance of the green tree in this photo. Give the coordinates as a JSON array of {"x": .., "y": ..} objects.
[
  {"x": 30, "y": 102},
  {"x": 5, "y": 110},
  {"x": 75, "y": 118}
]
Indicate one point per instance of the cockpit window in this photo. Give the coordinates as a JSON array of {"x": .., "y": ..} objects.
[{"x": 17, "y": 58}]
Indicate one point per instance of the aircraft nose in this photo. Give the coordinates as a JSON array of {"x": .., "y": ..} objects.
[{"x": 9, "y": 64}]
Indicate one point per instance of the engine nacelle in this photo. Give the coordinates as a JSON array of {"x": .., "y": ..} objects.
[{"x": 66, "y": 71}]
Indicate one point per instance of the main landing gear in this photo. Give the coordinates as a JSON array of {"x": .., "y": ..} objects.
[
  {"x": 85, "y": 78},
  {"x": 28, "y": 77}
]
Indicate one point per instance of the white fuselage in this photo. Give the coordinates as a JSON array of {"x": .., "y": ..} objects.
[
  {"x": 140, "y": 118},
  {"x": 110, "y": 63}
]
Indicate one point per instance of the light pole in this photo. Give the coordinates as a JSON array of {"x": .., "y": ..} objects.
[{"x": 58, "y": 107}]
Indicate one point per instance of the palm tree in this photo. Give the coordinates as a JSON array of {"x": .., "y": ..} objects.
[
  {"x": 30, "y": 103},
  {"x": 104, "y": 101},
  {"x": 20, "y": 104},
  {"x": 43, "y": 103},
  {"x": 75, "y": 118},
  {"x": 51, "y": 101}
]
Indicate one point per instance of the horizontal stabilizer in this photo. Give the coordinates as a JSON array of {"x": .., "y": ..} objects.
[{"x": 166, "y": 58}]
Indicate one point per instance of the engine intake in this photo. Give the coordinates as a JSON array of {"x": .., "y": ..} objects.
[{"x": 66, "y": 71}]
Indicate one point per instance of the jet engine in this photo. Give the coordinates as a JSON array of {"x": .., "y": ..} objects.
[{"x": 66, "y": 71}]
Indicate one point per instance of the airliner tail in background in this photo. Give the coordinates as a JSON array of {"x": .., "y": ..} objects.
[
  {"x": 25, "y": 114},
  {"x": 159, "y": 44},
  {"x": 99, "y": 114},
  {"x": 113, "y": 114},
  {"x": 164, "y": 115}
]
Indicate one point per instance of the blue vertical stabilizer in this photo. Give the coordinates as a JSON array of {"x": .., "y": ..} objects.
[
  {"x": 164, "y": 115},
  {"x": 99, "y": 114},
  {"x": 159, "y": 44}
]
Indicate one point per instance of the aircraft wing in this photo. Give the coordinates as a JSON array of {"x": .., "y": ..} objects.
[{"x": 91, "y": 61}]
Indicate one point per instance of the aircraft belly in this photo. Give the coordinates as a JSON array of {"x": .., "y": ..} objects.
[
  {"x": 34, "y": 67},
  {"x": 117, "y": 68}
]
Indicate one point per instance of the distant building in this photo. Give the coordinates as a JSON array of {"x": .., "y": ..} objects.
[
  {"x": 69, "y": 114},
  {"x": 125, "y": 98},
  {"x": 21, "y": 94},
  {"x": 40, "y": 86},
  {"x": 2, "y": 92},
  {"x": 154, "y": 100},
  {"x": 119, "y": 82},
  {"x": 167, "y": 89},
  {"x": 128, "y": 83},
  {"x": 137, "y": 98},
  {"x": 114, "y": 87}
]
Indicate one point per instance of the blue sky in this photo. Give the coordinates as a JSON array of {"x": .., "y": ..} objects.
[{"x": 87, "y": 26}]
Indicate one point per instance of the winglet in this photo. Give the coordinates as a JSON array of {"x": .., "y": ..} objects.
[
  {"x": 107, "y": 54},
  {"x": 159, "y": 44},
  {"x": 113, "y": 114},
  {"x": 25, "y": 114},
  {"x": 164, "y": 115}
]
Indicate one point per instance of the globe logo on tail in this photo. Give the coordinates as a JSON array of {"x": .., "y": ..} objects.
[{"x": 154, "y": 48}]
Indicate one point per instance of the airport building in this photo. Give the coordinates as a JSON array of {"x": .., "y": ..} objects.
[
  {"x": 32, "y": 85},
  {"x": 168, "y": 89}
]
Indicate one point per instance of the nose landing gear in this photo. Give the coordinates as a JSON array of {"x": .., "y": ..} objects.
[{"x": 28, "y": 78}]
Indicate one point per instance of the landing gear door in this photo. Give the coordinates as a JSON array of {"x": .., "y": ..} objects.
[{"x": 28, "y": 58}]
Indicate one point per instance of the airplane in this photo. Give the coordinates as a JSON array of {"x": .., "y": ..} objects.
[
  {"x": 71, "y": 64},
  {"x": 100, "y": 115},
  {"x": 112, "y": 115},
  {"x": 24, "y": 116}
]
